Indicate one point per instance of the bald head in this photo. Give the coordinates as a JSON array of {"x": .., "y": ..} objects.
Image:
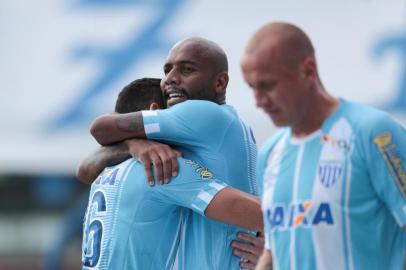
[
  {"x": 206, "y": 49},
  {"x": 285, "y": 41},
  {"x": 196, "y": 68}
]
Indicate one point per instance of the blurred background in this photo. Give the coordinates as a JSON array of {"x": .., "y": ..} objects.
[{"x": 64, "y": 62}]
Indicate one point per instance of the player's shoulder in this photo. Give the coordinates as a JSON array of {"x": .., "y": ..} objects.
[
  {"x": 203, "y": 110},
  {"x": 367, "y": 120},
  {"x": 201, "y": 107},
  {"x": 196, "y": 105}
]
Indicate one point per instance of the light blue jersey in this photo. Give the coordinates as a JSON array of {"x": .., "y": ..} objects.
[
  {"x": 216, "y": 137},
  {"x": 129, "y": 225},
  {"x": 336, "y": 199}
]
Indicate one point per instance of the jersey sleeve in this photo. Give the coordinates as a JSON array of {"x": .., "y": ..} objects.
[
  {"x": 193, "y": 122},
  {"x": 386, "y": 160},
  {"x": 194, "y": 187}
]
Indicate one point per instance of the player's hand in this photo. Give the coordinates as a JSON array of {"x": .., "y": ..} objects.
[
  {"x": 250, "y": 250},
  {"x": 157, "y": 155}
]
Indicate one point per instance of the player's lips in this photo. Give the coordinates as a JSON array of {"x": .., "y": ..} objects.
[{"x": 174, "y": 96}]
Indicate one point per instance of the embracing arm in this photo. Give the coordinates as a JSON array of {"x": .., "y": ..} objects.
[
  {"x": 112, "y": 128},
  {"x": 237, "y": 208},
  {"x": 94, "y": 163},
  {"x": 161, "y": 156},
  {"x": 240, "y": 209}
]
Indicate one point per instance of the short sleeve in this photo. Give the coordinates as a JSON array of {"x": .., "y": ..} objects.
[
  {"x": 193, "y": 122},
  {"x": 194, "y": 187},
  {"x": 386, "y": 157}
]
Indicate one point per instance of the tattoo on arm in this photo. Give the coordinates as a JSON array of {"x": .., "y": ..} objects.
[
  {"x": 105, "y": 156},
  {"x": 130, "y": 123}
]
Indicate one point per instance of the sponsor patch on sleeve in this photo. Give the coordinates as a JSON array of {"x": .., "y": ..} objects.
[
  {"x": 202, "y": 171},
  {"x": 392, "y": 159}
]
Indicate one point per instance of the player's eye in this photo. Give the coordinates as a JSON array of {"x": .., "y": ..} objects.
[
  {"x": 188, "y": 69},
  {"x": 267, "y": 86},
  {"x": 167, "y": 69}
]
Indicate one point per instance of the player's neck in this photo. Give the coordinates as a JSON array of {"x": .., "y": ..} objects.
[{"x": 318, "y": 110}]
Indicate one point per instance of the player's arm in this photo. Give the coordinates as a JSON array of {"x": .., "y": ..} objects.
[
  {"x": 112, "y": 128},
  {"x": 237, "y": 208},
  {"x": 159, "y": 155},
  {"x": 197, "y": 189},
  {"x": 265, "y": 261},
  {"x": 90, "y": 167},
  {"x": 384, "y": 150}
]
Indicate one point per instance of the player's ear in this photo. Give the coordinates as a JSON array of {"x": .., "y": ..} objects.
[
  {"x": 309, "y": 68},
  {"x": 220, "y": 86},
  {"x": 154, "y": 106},
  {"x": 221, "y": 81}
]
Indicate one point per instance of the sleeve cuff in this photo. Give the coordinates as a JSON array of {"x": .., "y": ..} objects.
[{"x": 205, "y": 196}]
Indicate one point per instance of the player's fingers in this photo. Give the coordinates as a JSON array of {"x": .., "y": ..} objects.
[
  {"x": 173, "y": 155},
  {"x": 247, "y": 266},
  {"x": 248, "y": 237},
  {"x": 177, "y": 153},
  {"x": 148, "y": 170},
  {"x": 243, "y": 246},
  {"x": 245, "y": 255},
  {"x": 158, "y": 167},
  {"x": 166, "y": 165},
  {"x": 175, "y": 167}
]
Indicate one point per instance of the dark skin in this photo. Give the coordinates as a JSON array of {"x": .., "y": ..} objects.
[
  {"x": 147, "y": 152},
  {"x": 93, "y": 164},
  {"x": 230, "y": 206},
  {"x": 194, "y": 69},
  {"x": 189, "y": 74},
  {"x": 249, "y": 251}
]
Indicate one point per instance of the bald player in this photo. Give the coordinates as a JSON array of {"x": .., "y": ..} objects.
[
  {"x": 205, "y": 129},
  {"x": 129, "y": 225},
  {"x": 334, "y": 177}
]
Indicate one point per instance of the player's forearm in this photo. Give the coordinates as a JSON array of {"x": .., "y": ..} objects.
[
  {"x": 237, "y": 208},
  {"x": 265, "y": 261},
  {"x": 93, "y": 164},
  {"x": 247, "y": 213},
  {"x": 112, "y": 128}
]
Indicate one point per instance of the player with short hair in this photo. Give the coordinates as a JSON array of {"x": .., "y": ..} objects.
[
  {"x": 204, "y": 129},
  {"x": 129, "y": 225}
]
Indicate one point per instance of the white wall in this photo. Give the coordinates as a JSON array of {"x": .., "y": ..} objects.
[{"x": 43, "y": 76}]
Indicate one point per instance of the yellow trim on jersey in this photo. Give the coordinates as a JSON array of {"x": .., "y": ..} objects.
[{"x": 393, "y": 162}]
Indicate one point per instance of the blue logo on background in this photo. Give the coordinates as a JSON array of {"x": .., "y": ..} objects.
[
  {"x": 396, "y": 43},
  {"x": 115, "y": 62}
]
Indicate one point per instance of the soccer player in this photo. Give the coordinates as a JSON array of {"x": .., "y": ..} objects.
[
  {"x": 129, "y": 225},
  {"x": 334, "y": 176},
  {"x": 204, "y": 129}
]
